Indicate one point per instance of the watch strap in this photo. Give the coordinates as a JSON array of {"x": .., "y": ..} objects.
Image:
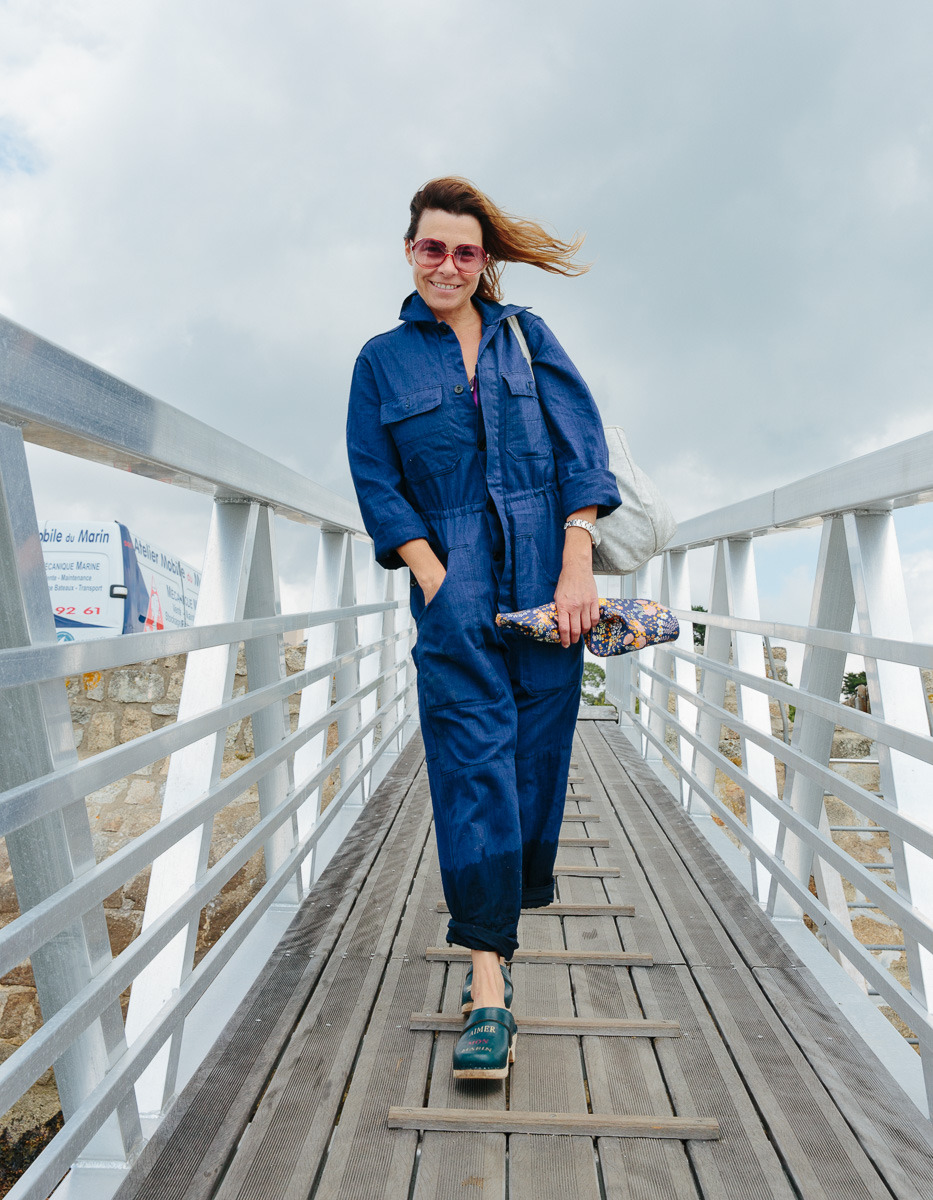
[{"x": 579, "y": 523}]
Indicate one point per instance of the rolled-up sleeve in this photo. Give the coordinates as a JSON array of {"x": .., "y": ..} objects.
[
  {"x": 574, "y": 425},
  {"x": 389, "y": 518}
]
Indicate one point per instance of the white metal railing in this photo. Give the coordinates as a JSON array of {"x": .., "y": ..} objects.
[
  {"x": 675, "y": 697},
  {"x": 115, "y": 1079}
]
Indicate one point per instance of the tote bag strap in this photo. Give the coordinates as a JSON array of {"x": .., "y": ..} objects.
[{"x": 523, "y": 345}]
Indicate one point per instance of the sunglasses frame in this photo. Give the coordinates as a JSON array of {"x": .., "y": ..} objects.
[{"x": 448, "y": 254}]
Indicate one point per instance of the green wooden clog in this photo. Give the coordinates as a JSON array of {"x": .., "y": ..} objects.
[{"x": 486, "y": 1046}]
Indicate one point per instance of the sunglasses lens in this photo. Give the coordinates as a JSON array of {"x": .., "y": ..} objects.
[
  {"x": 429, "y": 253},
  {"x": 470, "y": 259}
]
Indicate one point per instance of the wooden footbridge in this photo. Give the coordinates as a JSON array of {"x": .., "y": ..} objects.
[{"x": 670, "y": 1044}]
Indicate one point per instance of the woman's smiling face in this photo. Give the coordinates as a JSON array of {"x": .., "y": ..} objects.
[{"x": 445, "y": 290}]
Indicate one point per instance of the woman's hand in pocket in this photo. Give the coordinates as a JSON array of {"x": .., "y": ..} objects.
[
  {"x": 424, "y": 564},
  {"x": 432, "y": 587}
]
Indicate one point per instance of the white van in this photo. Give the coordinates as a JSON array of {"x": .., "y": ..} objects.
[{"x": 103, "y": 581}]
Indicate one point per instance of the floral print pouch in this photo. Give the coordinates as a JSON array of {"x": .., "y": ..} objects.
[{"x": 624, "y": 625}]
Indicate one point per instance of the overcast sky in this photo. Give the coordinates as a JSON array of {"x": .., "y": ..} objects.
[{"x": 207, "y": 198}]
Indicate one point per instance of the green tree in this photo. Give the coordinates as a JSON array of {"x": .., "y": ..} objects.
[
  {"x": 593, "y": 690},
  {"x": 699, "y": 631}
]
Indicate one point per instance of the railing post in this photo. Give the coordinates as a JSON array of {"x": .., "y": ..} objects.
[
  {"x": 36, "y": 736},
  {"x": 619, "y": 668},
  {"x": 209, "y": 676},
  {"x": 369, "y": 628},
  {"x": 391, "y": 660},
  {"x": 752, "y": 705},
  {"x": 896, "y": 693},
  {"x": 660, "y": 689},
  {"x": 675, "y": 593},
  {"x": 347, "y": 679},
  {"x": 333, "y": 547},
  {"x": 641, "y": 588},
  {"x": 821, "y": 675},
  {"x": 265, "y": 665},
  {"x": 712, "y": 686}
]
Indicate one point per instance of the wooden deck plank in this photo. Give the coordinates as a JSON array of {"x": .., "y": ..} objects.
[
  {"x": 582, "y": 843},
  {"x": 894, "y": 1134},
  {"x": 628, "y": 1080},
  {"x": 547, "y": 1077},
  {"x": 886, "y": 1123},
  {"x": 816, "y": 1145},
  {"x": 648, "y": 932},
  {"x": 557, "y": 1027},
  {"x": 626, "y": 1168},
  {"x": 365, "y": 1158},
  {"x": 471, "y": 1163},
  {"x": 625, "y": 1079},
  {"x": 192, "y": 1146},
  {"x": 595, "y": 930},
  {"x": 619, "y": 958},
  {"x": 281, "y": 1150},
  {"x": 703, "y": 1081},
  {"x": 694, "y": 926},
  {"x": 586, "y": 871},
  {"x": 705, "y": 904},
  {"x": 569, "y": 910},
  {"x": 455, "y": 1120}
]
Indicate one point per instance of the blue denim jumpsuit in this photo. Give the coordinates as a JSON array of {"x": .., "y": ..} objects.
[{"x": 489, "y": 487}]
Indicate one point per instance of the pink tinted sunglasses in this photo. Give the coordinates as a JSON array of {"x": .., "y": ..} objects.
[{"x": 428, "y": 252}]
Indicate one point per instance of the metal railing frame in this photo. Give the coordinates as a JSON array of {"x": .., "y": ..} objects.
[
  {"x": 678, "y": 717},
  {"x": 357, "y": 674}
]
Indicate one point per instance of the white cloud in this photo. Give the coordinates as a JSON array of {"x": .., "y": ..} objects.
[{"x": 208, "y": 199}]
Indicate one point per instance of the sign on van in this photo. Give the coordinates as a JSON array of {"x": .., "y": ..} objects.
[{"x": 103, "y": 581}]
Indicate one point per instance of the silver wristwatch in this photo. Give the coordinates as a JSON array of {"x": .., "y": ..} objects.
[{"x": 588, "y": 526}]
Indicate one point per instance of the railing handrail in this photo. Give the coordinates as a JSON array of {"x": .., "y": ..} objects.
[
  {"x": 36, "y": 664},
  {"x": 892, "y": 477},
  {"x": 61, "y": 401}
]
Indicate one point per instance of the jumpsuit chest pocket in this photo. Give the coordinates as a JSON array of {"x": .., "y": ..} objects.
[
  {"x": 526, "y": 432},
  {"x": 420, "y": 428}
]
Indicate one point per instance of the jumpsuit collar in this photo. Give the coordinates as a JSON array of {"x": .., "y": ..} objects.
[{"x": 414, "y": 309}]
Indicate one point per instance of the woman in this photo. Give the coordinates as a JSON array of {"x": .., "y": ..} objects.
[{"x": 484, "y": 478}]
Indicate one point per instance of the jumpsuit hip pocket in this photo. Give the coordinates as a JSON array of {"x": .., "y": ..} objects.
[{"x": 456, "y": 641}]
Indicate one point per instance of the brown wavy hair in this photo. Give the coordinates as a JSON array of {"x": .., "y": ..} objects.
[{"x": 505, "y": 238}]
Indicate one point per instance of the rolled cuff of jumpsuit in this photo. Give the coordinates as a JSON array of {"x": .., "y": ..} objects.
[
  {"x": 389, "y": 535},
  {"x": 538, "y": 897},
  {"x": 476, "y": 937},
  {"x": 597, "y": 487}
]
